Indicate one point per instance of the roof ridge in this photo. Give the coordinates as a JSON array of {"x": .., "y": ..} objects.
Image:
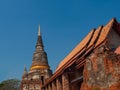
[{"x": 111, "y": 22}]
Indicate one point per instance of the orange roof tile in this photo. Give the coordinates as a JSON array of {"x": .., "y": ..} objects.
[
  {"x": 93, "y": 39},
  {"x": 117, "y": 50},
  {"x": 74, "y": 51},
  {"x": 100, "y": 34}
]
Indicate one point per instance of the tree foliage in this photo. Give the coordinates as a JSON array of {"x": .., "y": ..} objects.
[{"x": 10, "y": 84}]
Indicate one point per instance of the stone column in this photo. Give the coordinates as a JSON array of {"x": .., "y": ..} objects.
[
  {"x": 59, "y": 83},
  {"x": 43, "y": 88},
  {"x": 65, "y": 81},
  {"x": 50, "y": 87},
  {"x": 54, "y": 85},
  {"x": 46, "y": 87}
]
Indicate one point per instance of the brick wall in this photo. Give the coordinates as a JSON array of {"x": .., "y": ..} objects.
[
  {"x": 59, "y": 83},
  {"x": 65, "y": 81},
  {"x": 54, "y": 87}
]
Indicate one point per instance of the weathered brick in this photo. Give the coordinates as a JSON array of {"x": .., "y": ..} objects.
[{"x": 65, "y": 81}]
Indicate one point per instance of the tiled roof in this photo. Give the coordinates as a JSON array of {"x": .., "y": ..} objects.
[
  {"x": 99, "y": 36},
  {"x": 92, "y": 40},
  {"x": 80, "y": 46},
  {"x": 117, "y": 50}
]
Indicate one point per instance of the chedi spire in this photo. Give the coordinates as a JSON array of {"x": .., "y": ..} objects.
[
  {"x": 39, "y": 43},
  {"x": 39, "y": 33}
]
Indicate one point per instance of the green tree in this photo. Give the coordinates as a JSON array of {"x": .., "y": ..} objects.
[{"x": 10, "y": 84}]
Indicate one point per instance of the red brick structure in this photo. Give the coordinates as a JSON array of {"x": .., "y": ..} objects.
[
  {"x": 94, "y": 64},
  {"x": 102, "y": 70}
]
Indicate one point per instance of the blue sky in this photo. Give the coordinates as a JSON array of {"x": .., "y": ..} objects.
[{"x": 64, "y": 23}]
